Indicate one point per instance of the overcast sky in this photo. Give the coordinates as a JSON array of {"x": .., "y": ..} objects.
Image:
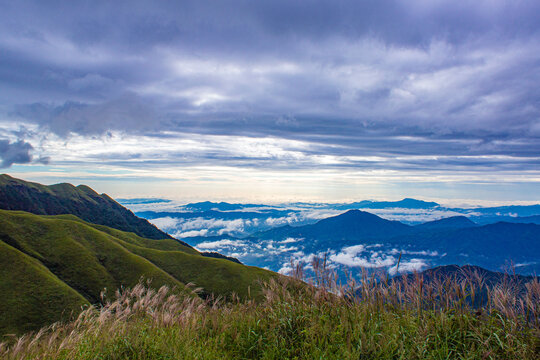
[{"x": 274, "y": 100}]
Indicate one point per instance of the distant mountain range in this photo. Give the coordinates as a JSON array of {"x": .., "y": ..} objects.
[
  {"x": 511, "y": 211},
  {"x": 534, "y": 219},
  {"x": 243, "y": 219},
  {"x": 357, "y": 239},
  {"x": 143, "y": 201},
  {"x": 470, "y": 272},
  {"x": 406, "y": 203},
  {"x": 212, "y": 214},
  {"x": 455, "y": 234},
  {"x": 364, "y": 204},
  {"x": 219, "y": 206}
]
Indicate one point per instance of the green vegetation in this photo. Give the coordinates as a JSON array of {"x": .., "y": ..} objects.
[
  {"x": 31, "y": 294},
  {"x": 51, "y": 265},
  {"x": 400, "y": 320}
]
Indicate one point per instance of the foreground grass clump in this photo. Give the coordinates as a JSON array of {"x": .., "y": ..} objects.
[{"x": 384, "y": 320}]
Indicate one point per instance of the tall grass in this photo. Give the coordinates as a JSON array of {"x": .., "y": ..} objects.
[{"x": 376, "y": 318}]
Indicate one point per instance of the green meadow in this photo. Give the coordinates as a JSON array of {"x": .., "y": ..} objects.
[{"x": 51, "y": 266}]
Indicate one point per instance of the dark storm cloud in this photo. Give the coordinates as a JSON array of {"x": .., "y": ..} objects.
[
  {"x": 353, "y": 78},
  {"x": 14, "y": 153}
]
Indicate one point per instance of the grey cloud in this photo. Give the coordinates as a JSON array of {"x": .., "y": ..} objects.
[
  {"x": 14, "y": 153},
  {"x": 128, "y": 113},
  {"x": 43, "y": 160},
  {"x": 207, "y": 23},
  {"x": 373, "y": 78}
]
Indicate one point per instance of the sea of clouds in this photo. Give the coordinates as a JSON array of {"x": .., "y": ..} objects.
[{"x": 228, "y": 232}]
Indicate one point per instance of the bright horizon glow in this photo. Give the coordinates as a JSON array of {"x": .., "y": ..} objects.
[{"x": 264, "y": 188}]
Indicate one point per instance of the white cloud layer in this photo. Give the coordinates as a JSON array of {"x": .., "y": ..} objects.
[
  {"x": 220, "y": 244},
  {"x": 165, "y": 223},
  {"x": 412, "y": 265}
]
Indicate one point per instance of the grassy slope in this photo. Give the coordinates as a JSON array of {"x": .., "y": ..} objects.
[
  {"x": 85, "y": 258},
  {"x": 215, "y": 276},
  {"x": 185, "y": 264},
  {"x": 130, "y": 237},
  {"x": 32, "y": 296}
]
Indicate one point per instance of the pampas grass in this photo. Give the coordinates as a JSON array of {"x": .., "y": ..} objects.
[{"x": 318, "y": 318}]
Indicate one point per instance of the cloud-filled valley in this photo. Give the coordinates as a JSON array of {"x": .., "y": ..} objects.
[{"x": 279, "y": 237}]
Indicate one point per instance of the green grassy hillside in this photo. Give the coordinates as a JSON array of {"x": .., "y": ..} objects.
[
  {"x": 72, "y": 261},
  {"x": 132, "y": 238},
  {"x": 32, "y": 295},
  {"x": 215, "y": 276}
]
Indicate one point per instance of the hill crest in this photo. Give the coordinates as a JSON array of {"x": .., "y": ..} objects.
[{"x": 81, "y": 201}]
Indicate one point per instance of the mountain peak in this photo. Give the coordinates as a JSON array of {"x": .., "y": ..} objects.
[
  {"x": 453, "y": 222},
  {"x": 350, "y": 225},
  {"x": 415, "y": 203},
  {"x": 404, "y": 203},
  {"x": 88, "y": 190},
  {"x": 356, "y": 212},
  {"x": 355, "y": 215}
]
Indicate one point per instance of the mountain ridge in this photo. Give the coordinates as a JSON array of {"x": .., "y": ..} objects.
[
  {"x": 452, "y": 222},
  {"x": 464, "y": 271},
  {"x": 348, "y": 226},
  {"x": 81, "y": 201},
  {"x": 409, "y": 203},
  {"x": 357, "y": 237}
]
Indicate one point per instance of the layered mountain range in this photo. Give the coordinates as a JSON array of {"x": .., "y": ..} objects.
[
  {"x": 358, "y": 239},
  {"x": 240, "y": 220}
]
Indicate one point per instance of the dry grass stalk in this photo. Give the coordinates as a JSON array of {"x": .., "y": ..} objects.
[{"x": 164, "y": 308}]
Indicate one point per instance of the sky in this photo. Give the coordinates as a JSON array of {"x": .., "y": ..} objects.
[{"x": 274, "y": 100}]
